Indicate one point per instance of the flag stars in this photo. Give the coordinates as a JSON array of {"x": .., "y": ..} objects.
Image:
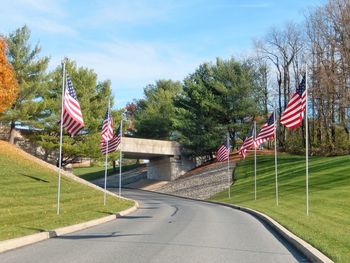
[{"x": 70, "y": 88}]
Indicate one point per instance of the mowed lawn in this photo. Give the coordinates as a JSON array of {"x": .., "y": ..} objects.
[
  {"x": 328, "y": 225},
  {"x": 28, "y": 195},
  {"x": 96, "y": 172}
]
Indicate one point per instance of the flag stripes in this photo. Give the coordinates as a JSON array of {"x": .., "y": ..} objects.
[
  {"x": 72, "y": 117},
  {"x": 247, "y": 144},
  {"x": 107, "y": 127},
  {"x": 223, "y": 152},
  {"x": 267, "y": 131},
  {"x": 112, "y": 144},
  {"x": 292, "y": 116}
]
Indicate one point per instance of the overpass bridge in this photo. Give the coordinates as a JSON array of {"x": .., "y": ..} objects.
[{"x": 165, "y": 159}]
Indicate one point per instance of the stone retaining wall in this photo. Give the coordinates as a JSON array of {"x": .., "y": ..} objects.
[{"x": 202, "y": 185}]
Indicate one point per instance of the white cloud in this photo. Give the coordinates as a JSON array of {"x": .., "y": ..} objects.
[
  {"x": 132, "y": 66},
  {"x": 49, "y": 7},
  {"x": 40, "y": 15},
  {"x": 52, "y": 26},
  {"x": 124, "y": 12}
]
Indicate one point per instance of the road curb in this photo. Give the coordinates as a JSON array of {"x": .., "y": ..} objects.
[
  {"x": 14, "y": 243},
  {"x": 310, "y": 252}
]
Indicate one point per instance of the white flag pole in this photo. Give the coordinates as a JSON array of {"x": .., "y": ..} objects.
[
  {"x": 307, "y": 142},
  {"x": 61, "y": 130},
  {"x": 106, "y": 159},
  {"x": 276, "y": 175},
  {"x": 228, "y": 165},
  {"x": 254, "y": 161},
  {"x": 120, "y": 157}
]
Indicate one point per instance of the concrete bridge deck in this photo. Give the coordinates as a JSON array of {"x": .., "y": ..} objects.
[
  {"x": 165, "y": 159},
  {"x": 136, "y": 148}
]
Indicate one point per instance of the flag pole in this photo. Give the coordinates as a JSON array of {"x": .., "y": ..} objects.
[
  {"x": 120, "y": 157},
  {"x": 228, "y": 165},
  {"x": 276, "y": 175},
  {"x": 254, "y": 161},
  {"x": 61, "y": 131},
  {"x": 106, "y": 159},
  {"x": 306, "y": 142}
]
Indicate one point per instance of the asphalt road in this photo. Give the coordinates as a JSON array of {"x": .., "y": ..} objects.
[{"x": 165, "y": 229}]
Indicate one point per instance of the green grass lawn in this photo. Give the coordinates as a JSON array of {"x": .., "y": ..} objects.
[
  {"x": 95, "y": 172},
  {"x": 328, "y": 225},
  {"x": 28, "y": 195}
]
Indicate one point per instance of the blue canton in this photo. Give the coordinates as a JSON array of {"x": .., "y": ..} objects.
[
  {"x": 271, "y": 120},
  {"x": 70, "y": 88},
  {"x": 301, "y": 87},
  {"x": 106, "y": 115}
]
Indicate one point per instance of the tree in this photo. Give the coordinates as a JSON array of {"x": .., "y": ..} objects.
[
  {"x": 328, "y": 32},
  {"x": 154, "y": 116},
  {"x": 216, "y": 99},
  {"x": 281, "y": 47},
  {"x": 30, "y": 71},
  {"x": 8, "y": 82},
  {"x": 130, "y": 110},
  {"x": 92, "y": 96},
  {"x": 196, "y": 122}
]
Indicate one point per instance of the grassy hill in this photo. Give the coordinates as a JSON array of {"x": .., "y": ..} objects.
[
  {"x": 328, "y": 225},
  {"x": 96, "y": 172},
  {"x": 28, "y": 194}
]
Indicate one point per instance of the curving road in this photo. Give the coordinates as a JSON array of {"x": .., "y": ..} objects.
[{"x": 165, "y": 229}]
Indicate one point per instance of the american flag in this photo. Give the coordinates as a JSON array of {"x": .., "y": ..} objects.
[
  {"x": 267, "y": 131},
  {"x": 112, "y": 144},
  {"x": 247, "y": 144},
  {"x": 107, "y": 127},
  {"x": 72, "y": 117},
  {"x": 223, "y": 152},
  {"x": 292, "y": 116}
]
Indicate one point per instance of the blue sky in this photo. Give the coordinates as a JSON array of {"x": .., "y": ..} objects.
[{"x": 134, "y": 43}]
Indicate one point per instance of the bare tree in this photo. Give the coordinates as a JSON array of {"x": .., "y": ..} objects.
[
  {"x": 328, "y": 30},
  {"x": 281, "y": 49}
]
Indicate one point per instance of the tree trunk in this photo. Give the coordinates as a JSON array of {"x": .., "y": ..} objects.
[
  {"x": 114, "y": 166},
  {"x": 12, "y": 133}
]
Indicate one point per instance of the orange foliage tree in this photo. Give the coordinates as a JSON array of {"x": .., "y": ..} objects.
[{"x": 8, "y": 82}]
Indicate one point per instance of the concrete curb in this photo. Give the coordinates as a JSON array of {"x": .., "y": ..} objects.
[
  {"x": 10, "y": 244},
  {"x": 310, "y": 252},
  {"x": 22, "y": 241}
]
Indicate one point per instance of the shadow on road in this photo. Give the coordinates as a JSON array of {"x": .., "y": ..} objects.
[
  {"x": 135, "y": 217},
  {"x": 93, "y": 236}
]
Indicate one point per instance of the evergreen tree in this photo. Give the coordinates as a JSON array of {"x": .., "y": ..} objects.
[
  {"x": 30, "y": 71},
  {"x": 200, "y": 131},
  {"x": 216, "y": 99},
  {"x": 93, "y": 99},
  {"x": 154, "y": 115}
]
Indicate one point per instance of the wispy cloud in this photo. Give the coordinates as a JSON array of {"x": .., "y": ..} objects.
[
  {"x": 135, "y": 42},
  {"x": 129, "y": 60},
  {"x": 49, "y": 7},
  {"x": 137, "y": 64},
  {"x": 52, "y": 26},
  {"x": 40, "y": 15},
  {"x": 130, "y": 12}
]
